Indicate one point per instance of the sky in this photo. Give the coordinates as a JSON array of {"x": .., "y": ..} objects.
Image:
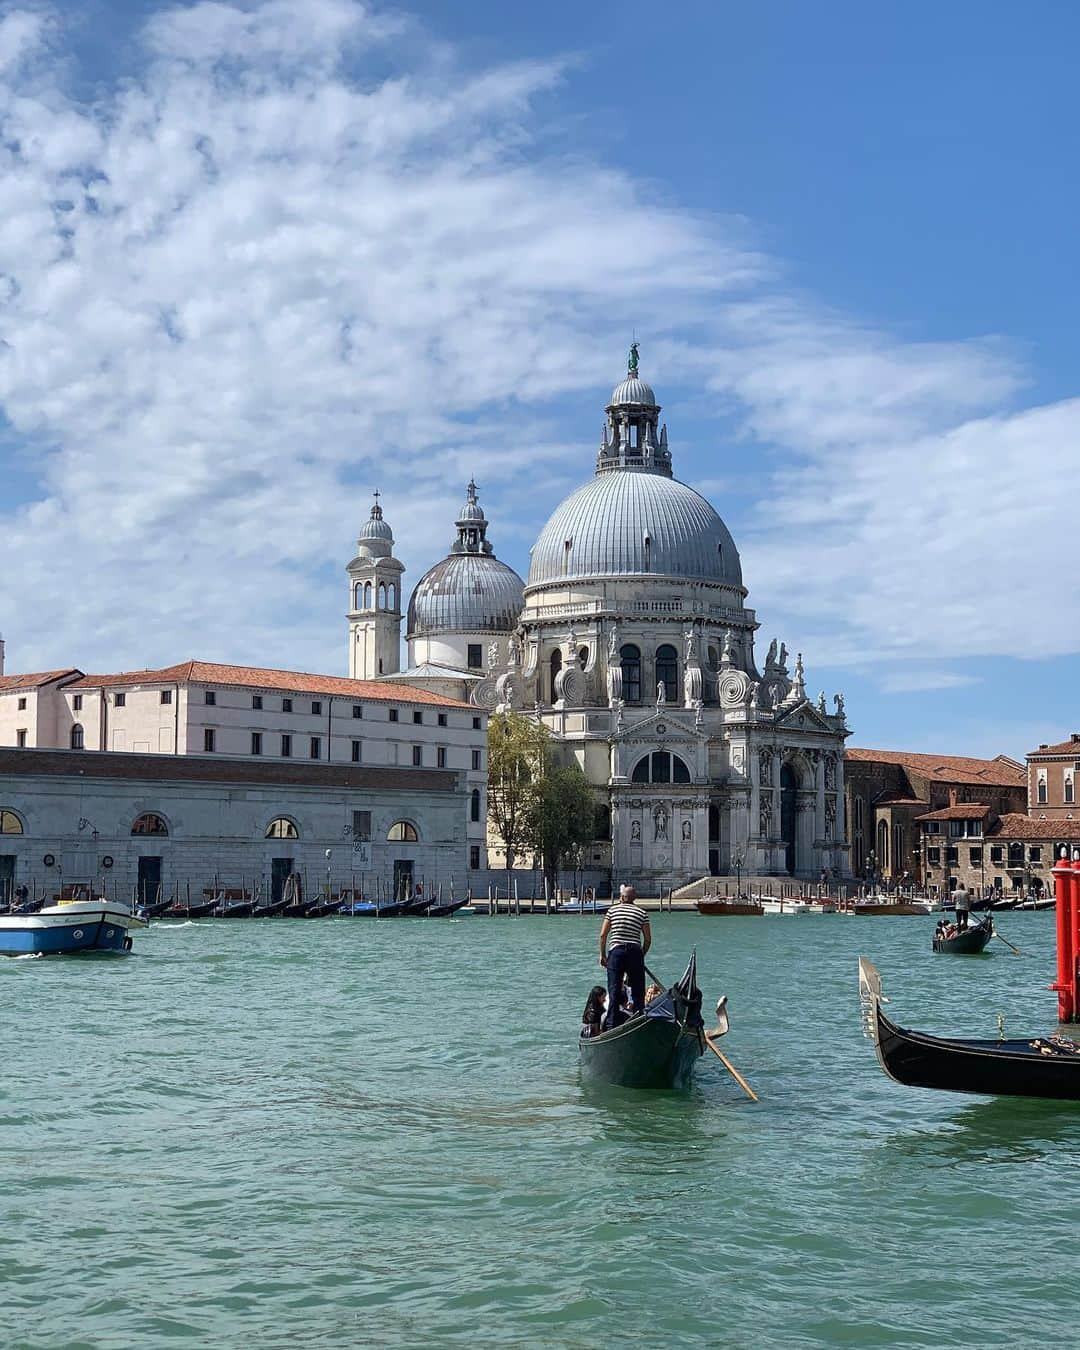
[{"x": 259, "y": 259}]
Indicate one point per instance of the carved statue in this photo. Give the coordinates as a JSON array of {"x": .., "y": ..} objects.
[
  {"x": 635, "y": 831},
  {"x": 493, "y": 655},
  {"x": 799, "y": 669},
  {"x": 571, "y": 642},
  {"x": 765, "y": 764},
  {"x": 728, "y": 654},
  {"x": 661, "y": 823},
  {"x": 513, "y": 650},
  {"x": 632, "y": 360},
  {"x": 661, "y": 695},
  {"x": 687, "y": 831},
  {"x": 765, "y": 814},
  {"x": 821, "y": 702},
  {"x": 838, "y": 699},
  {"x": 770, "y": 660},
  {"x": 752, "y": 695},
  {"x": 782, "y": 659},
  {"x": 830, "y": 771},
  {"x": 690, "y": 643},
  {"x": 613, "y": 643}
]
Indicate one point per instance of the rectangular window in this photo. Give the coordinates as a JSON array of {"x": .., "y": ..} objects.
[
  {"x": 440, "y": 757},
  {"x": 316, "y": 748},
  {"x": 417, "y": 717},
  {"x": 932, "y": 827},
  {"x": 120, "y": 700},
  {"x": 474, "y": 856},
  {"x": 956, "y": 829},
  {"x": 256, "y": 701},
  {"x": 286, "y": 747},
  {"x": 361, "y": 824},
  {"x": 997, "y": 854},
  {"x": 166, "y": 696},
  {"x": 286, "y": 705},
  {"x": 1035, "y": 853},
  {"x": 933, "y": 856},
  {"x": 999, "y": 883},
  {"x": 211, "y": 698},
  {"x": 476, "y": 759},
  {"x": 476, "y": 724},
  {"x": 316, "y": 708},
  {"x": 393, "y": 714},
  {"x": 358, "y": 710},
  {"x": 256, "y": 742},
  {"x": 417, "y": 756},
  {"x": 476, "y": 656},
  {"x": 950, "y": 856},
  {"x": 76, "y": 702},
  {"x": 20, "y": 738},
  {"x": 208, "y": 739},
  {"x": 975, "y": 857},
  {"x": 442, "y": 719},
  {"x": 974, "y": 829},
  {"x": 21, "y": 705}
]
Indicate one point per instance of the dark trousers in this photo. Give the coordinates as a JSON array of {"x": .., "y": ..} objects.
[
  {"x": 961, "y": 919},
  {"x": 629, "y": 960}
]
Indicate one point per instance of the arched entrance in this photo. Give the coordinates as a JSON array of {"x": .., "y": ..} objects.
[{"x": 789, "y": 783}]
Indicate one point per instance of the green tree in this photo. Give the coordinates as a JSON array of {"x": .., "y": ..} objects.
[
  {"x": 517, "y": 749},
  {"x": 565, "y": 816}
]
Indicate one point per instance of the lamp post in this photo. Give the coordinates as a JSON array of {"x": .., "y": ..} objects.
[
  {"x": 738, "y": 858},
  {"x": 328, "y": 857}
]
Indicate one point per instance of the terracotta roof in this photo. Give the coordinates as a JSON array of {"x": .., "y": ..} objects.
[
  {"x": 961, "y": 811},
  {"x": 1069, "y": 747},
  {"x": 897, "y": 799},
  {"x": 223, "y": 769},
  {"x": 255, "y": 677},
  {"x": 9, "y": 682},
  {"x": 1015, "y": 825},
  {"x": 1000, "y": 772}
]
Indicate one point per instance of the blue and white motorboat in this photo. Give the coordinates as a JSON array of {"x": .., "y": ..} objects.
[
  {"x": 77, "y": 926},
  {"x": 576, "y": 906}
]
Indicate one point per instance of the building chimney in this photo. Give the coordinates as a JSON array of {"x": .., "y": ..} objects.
[{"x": 1075, "y": 736}]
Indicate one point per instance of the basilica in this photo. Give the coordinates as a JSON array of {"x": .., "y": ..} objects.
[{"x": 632, "y": 642}]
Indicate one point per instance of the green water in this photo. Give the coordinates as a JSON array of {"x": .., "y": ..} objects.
[{"x": 351, "y": 1132}]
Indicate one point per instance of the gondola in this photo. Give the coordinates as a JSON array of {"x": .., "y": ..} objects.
[
  {"x": 1046, "y": 1066},
  {"x": 269, "y": 909},
  {"x": 729, "y": 908},
  {"x": 233, "y": 909},
  {"x": 373, "y": 909},
  {"x": 969, "y": 941},
  {"x": 441, "y": 911},
  {"x": 656, "y": 1048},
  {"x": 322, "y": 909},
  {"x": 199, "y": 910}
]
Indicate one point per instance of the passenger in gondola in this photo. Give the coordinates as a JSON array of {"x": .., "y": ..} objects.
[
  {"x": 593, "y": 1017},
  {"x": 653, "y": 991}
]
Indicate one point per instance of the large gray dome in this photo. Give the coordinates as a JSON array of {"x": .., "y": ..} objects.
[
  {"x": 634, "y": 523},
  {"x": 466, "y": 593}
]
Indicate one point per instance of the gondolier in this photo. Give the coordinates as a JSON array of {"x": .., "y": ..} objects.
[
  {"x": 625, "y": 937},
  {"x": 962, "y": 904}
]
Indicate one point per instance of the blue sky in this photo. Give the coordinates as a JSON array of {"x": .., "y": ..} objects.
[{"x": 396, "y": 247}]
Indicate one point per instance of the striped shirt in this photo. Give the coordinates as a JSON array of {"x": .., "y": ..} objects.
[{"x": 627, "y": 922}]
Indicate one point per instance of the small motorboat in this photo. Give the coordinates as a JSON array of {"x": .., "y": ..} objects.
[
  {"x": 576, "y": 906},
  {"x": 888, "y": 904},
  {"x": 770, "y": 906},
  {"x": 717, "y": 908},
  {"x": 969, "y": 941},
  {"x": 1035, "y": 1066},
  {"x": 657, "y": 1047},
  {"x": 76, "y": 926}
]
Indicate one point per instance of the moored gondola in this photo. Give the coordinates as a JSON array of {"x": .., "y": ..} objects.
[
  {"x": 968, "y": 942},
  {"x": 445, "y": 911},
  {"x": 1037, "y": 1066},
  {"x": 656, "y": 1048}
]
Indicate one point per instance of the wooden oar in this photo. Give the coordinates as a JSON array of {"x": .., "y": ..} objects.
[
  {"x": 731, "y": 1069},
  {"x": 1008, "y": 943}
]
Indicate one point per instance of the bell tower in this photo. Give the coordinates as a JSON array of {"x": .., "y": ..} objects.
[{"x": 374, "y": 601}]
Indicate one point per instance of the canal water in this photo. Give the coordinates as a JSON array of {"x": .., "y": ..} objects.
[{"x": 350, "y": 1132}]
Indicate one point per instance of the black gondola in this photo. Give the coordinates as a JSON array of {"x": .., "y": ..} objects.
[
  {"x": 1047, "y": 1066},
  {"x": 440, "y": 911},
  {"x": 969, "y": 941},
  {"x": 233, "y": 909},
  {"x": 199, "y": 910},
  {"x": 656, "y": 1048},
  {"x": 269, "y": 909}
]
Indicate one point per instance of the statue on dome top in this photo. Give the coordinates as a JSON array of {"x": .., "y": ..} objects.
[{"x": 632, "y": 359}]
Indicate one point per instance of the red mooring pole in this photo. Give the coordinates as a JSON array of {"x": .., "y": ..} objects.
[{"x": 1064, "y": 895}]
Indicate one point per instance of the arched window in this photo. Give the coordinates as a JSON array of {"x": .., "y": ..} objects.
[
  {"x": 882, "y": 846},
  {"x": 391, "y": 602},
  {"x": 150, "y": 823},
  {"x": 630, "y": 660},
  {"x": 77, "y": 739},
  {"x": 474, "y": 804},
  {"x": 583, "y": 657},
  {"x": 898, "y": 849},
  {"x": 281, "y": 827},
  {"x": 556, "y": 666},
  {"x": 10, "y": 823},
  {"x": 660, "y": 767},
  {"x": 667, "y": 671},
  {"x": 1016, "y": 855},
  {"x": 367, "y": 594},
  {"x": 382, "y": 595},
  {"x": 402, "y": 832}
]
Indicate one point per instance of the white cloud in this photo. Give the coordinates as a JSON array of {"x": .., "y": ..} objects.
[
  {"x": 260, "y": 275},
  {"x": 920, "y": 681}
]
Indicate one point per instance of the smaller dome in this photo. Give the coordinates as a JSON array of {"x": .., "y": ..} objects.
[
  {"x": 633, "y": 390},
  {"x": 376, "y": 527},
  {"x": 472, "y": 510}
]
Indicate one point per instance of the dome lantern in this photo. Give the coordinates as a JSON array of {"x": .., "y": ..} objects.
[{"x": 631, "y": 439}]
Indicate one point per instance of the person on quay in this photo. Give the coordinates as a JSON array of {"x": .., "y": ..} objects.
[
  {"x": 962, "y": 904},
  {"x": 626, "y": 929}
]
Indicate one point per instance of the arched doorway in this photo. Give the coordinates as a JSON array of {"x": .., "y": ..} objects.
[
  {"x": 556, "y": 666},
  {"x": 789, "y": 783}
]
